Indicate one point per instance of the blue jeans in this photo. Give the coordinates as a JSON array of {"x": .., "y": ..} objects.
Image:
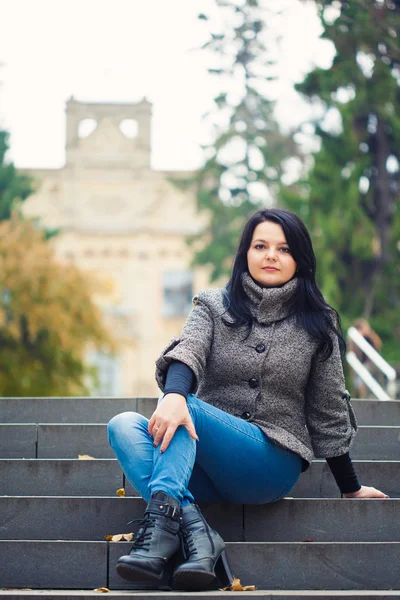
[{"x": 233, "y": 459}]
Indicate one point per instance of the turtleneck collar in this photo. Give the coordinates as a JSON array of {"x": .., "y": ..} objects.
[{"x": 269, "y": 304}]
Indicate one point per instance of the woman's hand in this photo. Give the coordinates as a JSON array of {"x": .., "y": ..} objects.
[
  {"x": 366, "y": 492},
  {"x": 171, "y": 412}
]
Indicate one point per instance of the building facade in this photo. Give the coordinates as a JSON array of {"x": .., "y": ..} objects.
[{"x": 128, "y": 224}]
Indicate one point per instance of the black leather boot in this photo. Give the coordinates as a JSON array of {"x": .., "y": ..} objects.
[
  {"x": 204, "y": 552},
  {"x": 156, "y": 541}
]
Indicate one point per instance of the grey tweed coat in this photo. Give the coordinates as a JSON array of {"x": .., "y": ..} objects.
[{"x": 274, "y": 378}]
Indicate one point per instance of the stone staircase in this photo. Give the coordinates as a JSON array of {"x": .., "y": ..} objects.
[{"x": 55, "y": 511}]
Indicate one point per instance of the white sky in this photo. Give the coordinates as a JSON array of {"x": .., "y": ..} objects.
[{"x": 120, "y": 51}]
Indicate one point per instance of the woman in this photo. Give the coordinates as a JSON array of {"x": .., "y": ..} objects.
[{"x": 263, "y": 356}]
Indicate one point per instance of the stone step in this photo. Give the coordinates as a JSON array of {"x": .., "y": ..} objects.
[
  {"x": 290, "y": 520},
  {"x": 318, "y": 482},
  {"x": 102, "y": 477},
  {"x": 64, "y": 477},
  {"x": 268, "y": 565},
  {"x": 54, "y": 440},
  {"x": 101, "y": 410},
  {"x": 18, "y": 594},
  {"x": 71, "y": 409}
]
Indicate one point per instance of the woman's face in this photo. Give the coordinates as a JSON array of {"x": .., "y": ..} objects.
[{"x": 269, "y": 260}]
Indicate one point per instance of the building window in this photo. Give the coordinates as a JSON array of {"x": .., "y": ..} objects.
[
  {"x": 108, "y": 374},
  {"x": 177, "y": 293}
]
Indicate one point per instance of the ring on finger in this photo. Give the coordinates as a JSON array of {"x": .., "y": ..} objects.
[{"x": 156, "y": 428}]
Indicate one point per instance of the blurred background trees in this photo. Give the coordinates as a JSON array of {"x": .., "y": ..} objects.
[
  {"x": 339, "y": 171},
  {"x": 350, "y": 199},
  {"x": 14, "y": 187},
  {"x": 349, "y": 196},
  {"x": 48, "y": 318},
  {"x": 246, "y": 160}
]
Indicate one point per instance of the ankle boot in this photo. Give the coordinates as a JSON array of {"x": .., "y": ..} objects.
[
  {"x": 156, "y": 541},
  {"x": 204, "y": 552}
]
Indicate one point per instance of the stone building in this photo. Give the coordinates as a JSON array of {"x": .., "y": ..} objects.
[{"x": 128, "y": 223}]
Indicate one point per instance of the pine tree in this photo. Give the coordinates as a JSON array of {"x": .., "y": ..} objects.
[
  {"x": 350, "y": 200},
  {"x": 245, "y": 162}
]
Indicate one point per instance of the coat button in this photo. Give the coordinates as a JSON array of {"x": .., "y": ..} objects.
[
  {"x": 260, "y": 348},
  {"x": 246, "y": 415},
  {"x": 253, "y": 383}
]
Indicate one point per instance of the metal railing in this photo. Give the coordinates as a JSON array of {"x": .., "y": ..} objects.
[{"x": 382, "y": 394}]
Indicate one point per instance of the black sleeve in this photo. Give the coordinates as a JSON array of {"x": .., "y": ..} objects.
[
  {"x": 343, "y": 471},
  {"x": 179, "y": 379}
]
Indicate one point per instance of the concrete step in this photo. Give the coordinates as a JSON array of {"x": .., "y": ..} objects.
[
  {"x": 54, "y": 440},
  {"x": 102, "y": 477},
  {"x": 101, "y": 410},
  {"x": 290, "y": 520},
  {"x": 268, "y": 565},
  {"x": 215, "y": 595},
  {"x": 48, "y": 477},
  {"x": 71, "y": 409},
  {"x": 318, "y": 482}
]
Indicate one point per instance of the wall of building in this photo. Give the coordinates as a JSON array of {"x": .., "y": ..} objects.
[{"x": 127, "y": 224}]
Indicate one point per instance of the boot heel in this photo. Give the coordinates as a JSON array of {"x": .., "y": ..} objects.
[{"x": 223, "y": 571}]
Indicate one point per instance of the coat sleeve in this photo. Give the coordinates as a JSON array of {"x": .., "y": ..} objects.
[
  {"x": 192, "y": 347},
  {"x": 330, "y": 418}
]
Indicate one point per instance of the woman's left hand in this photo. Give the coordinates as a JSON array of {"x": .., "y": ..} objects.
[{"x": 366, "y": 492}]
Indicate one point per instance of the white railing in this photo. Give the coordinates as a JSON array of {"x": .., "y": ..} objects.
[{"x": 379, "y": 362}]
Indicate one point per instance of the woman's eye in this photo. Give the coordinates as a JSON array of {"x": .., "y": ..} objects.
[
  {"x": 286, "y": 250},
  {"x": 259, "y": 246}
]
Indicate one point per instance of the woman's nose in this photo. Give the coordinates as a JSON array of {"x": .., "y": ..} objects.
[{"x": 271, "y": 253}]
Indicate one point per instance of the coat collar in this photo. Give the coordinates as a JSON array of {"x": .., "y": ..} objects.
[{"x": 269, "y": 304}]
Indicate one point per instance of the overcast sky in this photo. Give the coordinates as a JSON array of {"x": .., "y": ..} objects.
[{"x": 120, "y": 51}]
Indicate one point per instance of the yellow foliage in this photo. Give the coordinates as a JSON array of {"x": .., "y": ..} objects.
[
  {"x": 119, "y": 537},
  {"x": 46, "y": 312},
  {"x": 120, "y": 492},
  {"x": 236, "y": 586}
]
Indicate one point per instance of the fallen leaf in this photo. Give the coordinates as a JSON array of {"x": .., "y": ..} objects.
[
  {"x": 127, "y": 537},
  {"x": 308, "y": 540},
  {"x": 249, "y": 588},
  {"x": 120, "y": 492},
  {"x": 236, "y": 586},
  {"x": 104, "y": 590},
  {"x": 85, "y": 457}
]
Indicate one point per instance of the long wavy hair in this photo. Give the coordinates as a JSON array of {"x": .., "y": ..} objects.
[{"x": 311, "y": 310}]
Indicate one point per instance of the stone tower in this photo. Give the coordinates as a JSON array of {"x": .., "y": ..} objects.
[{"x": 107, "y": 144}]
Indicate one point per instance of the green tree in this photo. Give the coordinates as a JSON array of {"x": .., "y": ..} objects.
[
  {"x": 246, "y": 160},
  {"x": 350, "y": 199},
  {"x": 14, "y": 187},
  {"x": 48, "y": 319}
]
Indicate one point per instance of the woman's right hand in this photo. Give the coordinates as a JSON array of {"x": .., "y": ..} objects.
[{"x": 171, "y": 412}]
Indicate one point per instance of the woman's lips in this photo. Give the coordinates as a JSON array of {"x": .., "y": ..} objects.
[{"x": 270, "y": 269}]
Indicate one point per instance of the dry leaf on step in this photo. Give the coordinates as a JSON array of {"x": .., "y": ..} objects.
[
  {"x": 85, "y": 457},
  {"x": 104, "y": 590},
  {"x": 236, "y": 586},
  {"x": 118, "y": 537},
  {"x": 120, "y": 492}
]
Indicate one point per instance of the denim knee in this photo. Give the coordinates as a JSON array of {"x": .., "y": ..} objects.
[{"x": 121, "y": 422}]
